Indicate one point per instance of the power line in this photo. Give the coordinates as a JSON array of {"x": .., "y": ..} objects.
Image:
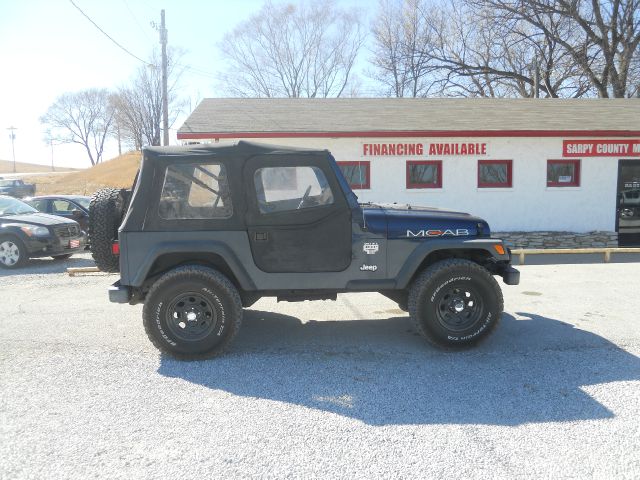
[
  {"x": 109, "y": 36},
  {"x": 198, "y": 71},
  {"x": 194, "y": 70},
  {"x": 135, "y": 19}
]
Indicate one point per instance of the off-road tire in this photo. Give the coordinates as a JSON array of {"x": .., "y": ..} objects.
[
  {"x": 105, "y": 215},
  {"x": 14, "y": 243},
  {"x": 201, "y": 291},
  {"x": 455, "y": 303},
  {"x": 64, "y": 256}
]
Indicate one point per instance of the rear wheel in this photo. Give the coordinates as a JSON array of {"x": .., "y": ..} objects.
[
  {"x": 192, "y": 313},
  {"x": 105, "y": 215},
  {"x": 13, "y": 254},
  {"x": 455, "y": 303}
]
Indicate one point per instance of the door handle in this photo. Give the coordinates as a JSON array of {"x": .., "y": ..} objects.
[{"x": 261, "y": 236}]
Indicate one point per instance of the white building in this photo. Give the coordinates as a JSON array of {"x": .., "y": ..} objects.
[{"x": 539, "y": 165}]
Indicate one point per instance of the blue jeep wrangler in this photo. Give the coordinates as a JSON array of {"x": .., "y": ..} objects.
[{"x": 207, "y": 230}]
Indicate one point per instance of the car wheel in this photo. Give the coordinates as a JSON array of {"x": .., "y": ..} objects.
[
  {"x": 62, "y": 257},
  {"x": 455, "y": 303},
  {"x": 105, "y": 216},
  {"x": 13, "y": 253},
  {"x": 192, "y": 313}
]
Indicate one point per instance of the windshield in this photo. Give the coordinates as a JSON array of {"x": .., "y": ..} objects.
[
  {"x": 82, "y": 201},
  {"x": 11, "y": 206},
  {"x": 6, "y": 183}
]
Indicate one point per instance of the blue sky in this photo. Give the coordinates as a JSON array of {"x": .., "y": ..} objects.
[{"x": 47, "y": 48}]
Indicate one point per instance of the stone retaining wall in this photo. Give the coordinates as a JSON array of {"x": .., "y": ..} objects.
[{"x": 558, "y": 239}]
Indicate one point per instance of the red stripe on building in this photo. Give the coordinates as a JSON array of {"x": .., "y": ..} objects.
[{"x": 415, "y": 133}]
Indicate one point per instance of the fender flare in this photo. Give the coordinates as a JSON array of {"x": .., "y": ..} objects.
[
  {"x": 420, "y": 253},
  {"x": 190, "y": 247}
]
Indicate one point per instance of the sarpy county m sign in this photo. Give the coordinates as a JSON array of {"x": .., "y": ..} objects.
[{"x": 601, "y": 148}]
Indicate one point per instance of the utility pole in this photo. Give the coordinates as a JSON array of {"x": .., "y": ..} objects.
[
  {"x": 165, "y": 99},
  {"x": 51, "y": 144},
  {"x": 12, "y": 136},
  {"x": 536, "y": 78},
  {"x": 119, "y": 141}
]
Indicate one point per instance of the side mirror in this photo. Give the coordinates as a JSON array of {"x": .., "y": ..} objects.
[{"x": 77, "y": 214}]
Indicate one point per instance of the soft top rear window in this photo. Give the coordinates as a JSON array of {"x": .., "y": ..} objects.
[{"x": 195, "y": 191}]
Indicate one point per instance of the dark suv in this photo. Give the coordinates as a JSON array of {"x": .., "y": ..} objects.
[
  {"x": 209, "y": 230},
  {"x": 26, "y": 233}
]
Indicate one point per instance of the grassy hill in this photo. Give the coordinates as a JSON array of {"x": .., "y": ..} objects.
[
  {"x": 6, "y": 166},
  {"x": 118, "y": 172}
]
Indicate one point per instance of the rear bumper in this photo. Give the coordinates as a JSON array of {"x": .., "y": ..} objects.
[{"x": 119, "y": 293}]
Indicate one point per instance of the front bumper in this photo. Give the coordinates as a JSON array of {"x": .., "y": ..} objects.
[
  {"x": 510, "y": 275},
  {"x": 50, "y": 245},
  {"x": 503, "y": 267}
]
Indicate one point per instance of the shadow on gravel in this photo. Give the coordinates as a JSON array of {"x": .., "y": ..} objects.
[
  {"x": 380, "y": 372},
  {"x": 37, "y": 266}
]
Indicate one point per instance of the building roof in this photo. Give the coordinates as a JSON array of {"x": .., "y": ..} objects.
[{"x": 339, "y": 117}]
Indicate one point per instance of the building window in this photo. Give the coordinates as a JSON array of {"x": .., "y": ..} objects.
[
  {"x": 357, "y": 174},
  {"x": 495, "y": 173},
  {"x": 422, "y": 174},
  {"x": 563, "y": 173}
]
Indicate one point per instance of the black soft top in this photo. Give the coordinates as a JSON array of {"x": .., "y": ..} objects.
[
  {"x": 240, "y": 149},
  {"x": 142, "y": 213}
]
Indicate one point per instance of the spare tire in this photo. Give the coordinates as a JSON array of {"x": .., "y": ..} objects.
[{"x": 106, "y": 209}]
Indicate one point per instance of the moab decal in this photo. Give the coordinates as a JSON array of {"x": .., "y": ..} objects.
[{"x": 460, "y": 232}]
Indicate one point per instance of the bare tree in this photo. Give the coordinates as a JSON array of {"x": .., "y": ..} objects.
[
  {"x": 603, "y": 41},
  {"x": 401, "y": 46},
  {"x": 138, "y": 105},
  {"x": 479, "y": 55},
  {"x": 84, "y": 118},
  {"x": 527, "y": 48},
  {"x": 287, "y": 50}
]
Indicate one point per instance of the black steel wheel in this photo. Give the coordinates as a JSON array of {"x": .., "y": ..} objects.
[
  {"x": 192, "y": 313},
  {"x": 458, "y": 308},
  {"x": 455, "y": 303},
  {"x": 191, "y": 316}
]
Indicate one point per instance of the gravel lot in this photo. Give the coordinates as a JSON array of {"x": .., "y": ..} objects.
[{"x": 340, "y": 389}]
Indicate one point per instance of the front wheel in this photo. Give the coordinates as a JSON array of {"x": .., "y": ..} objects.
[
  {"x": 192, "y": 313},
  {"x": 13, "y": 254},
  {"x": 455, "y": 303}
]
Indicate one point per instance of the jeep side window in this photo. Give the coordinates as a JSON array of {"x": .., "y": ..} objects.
[
  {"x": 195, "y": 191},
  {"x": 280, "y": 189}
]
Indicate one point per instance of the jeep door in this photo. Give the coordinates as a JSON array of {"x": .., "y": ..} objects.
[{"x": 297, "y": 217}]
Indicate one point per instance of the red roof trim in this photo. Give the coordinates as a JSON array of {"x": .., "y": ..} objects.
[{"x": 415, "y": 133}]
